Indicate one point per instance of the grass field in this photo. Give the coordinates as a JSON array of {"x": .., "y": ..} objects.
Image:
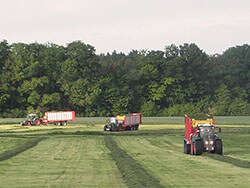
[{"x": 82, "y": 155}]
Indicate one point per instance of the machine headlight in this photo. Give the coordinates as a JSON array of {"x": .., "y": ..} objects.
[
  {"x": 211, "y": 142},
  {"x": 206, "y": 142}
]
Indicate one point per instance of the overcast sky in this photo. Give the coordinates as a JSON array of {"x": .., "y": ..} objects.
[{"x": 124, "y": 25}]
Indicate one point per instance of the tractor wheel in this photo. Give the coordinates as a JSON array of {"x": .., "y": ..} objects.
[
  {"x": 197, "y": 147},
  {"x": 37, "y": 122},
  {"x": 187, "y": 147},
  {"x": 28, "y": 123},
  {"x": 218, "y": 147},
  {"x": 104, "y": 128}
]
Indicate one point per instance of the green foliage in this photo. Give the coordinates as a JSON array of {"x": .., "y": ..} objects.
[
  {"x": 181, "y": 79},
  {"x": 150, "y": 109}
]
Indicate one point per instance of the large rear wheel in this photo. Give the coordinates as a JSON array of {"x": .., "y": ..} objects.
[{"x": 37, "y": 122}]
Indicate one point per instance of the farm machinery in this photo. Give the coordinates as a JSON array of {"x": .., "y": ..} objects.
[
  {"x": 126, "y": 122},
  {"x": 58, "y": 118},
  {"x": 31, "y": 119},
  {"x": 200, "y": 136}
]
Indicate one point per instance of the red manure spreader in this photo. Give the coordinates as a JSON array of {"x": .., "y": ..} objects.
[
  {"x": 58, "y": 118},
  {"x": 126, "y": 122}
]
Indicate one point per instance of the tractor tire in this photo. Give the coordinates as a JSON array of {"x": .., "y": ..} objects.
[
  {"x": 197, "y": 147},
  {"x": 104, "y": 128},
  {"x": 187, "y": 147},
  {"x": 218, "y": 147},
  {"x": 28, "y": 123},
  {"x": 37, "y": 122}
]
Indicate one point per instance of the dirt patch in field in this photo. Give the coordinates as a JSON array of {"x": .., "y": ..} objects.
[
  {"x": 132, "y": 172},
  {"x": 27, "y": 145}
]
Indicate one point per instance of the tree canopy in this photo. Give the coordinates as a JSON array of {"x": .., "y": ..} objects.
[{"x": 180, "y": 79}]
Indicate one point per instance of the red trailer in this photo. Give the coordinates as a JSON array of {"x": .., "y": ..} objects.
[
  {"x": 58, "y": 118},
  {"x": 126, "y": 122}
]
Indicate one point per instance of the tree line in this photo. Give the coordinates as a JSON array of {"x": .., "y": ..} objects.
[{"x": 35, "y": 78}]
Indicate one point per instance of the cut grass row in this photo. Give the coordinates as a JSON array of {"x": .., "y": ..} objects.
[
  {"x": 85, "y": 156},
  {"x": 132, "y": 172},
  {"x": 220, "y": 120},
  {"x": 164, "y": 158},
  {"x": 21, "y": 148},
  {"x": 62, "y": 161}
]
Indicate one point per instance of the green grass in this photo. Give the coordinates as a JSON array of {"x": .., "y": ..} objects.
[
  {"x": 83, "y": 155},
  {"x": 220, "y": 120}
]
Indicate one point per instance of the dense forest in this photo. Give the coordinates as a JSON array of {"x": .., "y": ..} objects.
[{"x": 180, "y": 79}]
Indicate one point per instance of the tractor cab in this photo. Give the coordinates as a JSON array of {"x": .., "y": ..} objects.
[
  {"x": 111, "y": 125},
  {"x": 206, "y": 129},
  {"x": 31, "y": 119}
]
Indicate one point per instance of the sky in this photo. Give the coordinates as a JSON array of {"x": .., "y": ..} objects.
[{"x": 126, "y": 25}]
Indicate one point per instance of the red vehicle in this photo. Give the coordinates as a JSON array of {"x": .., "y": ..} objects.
[
  {"x": 126, "y": 122},
  {"x": 58, "y": 118}
]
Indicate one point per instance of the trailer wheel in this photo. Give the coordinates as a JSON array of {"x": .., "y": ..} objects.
[
  {"x": 197, "y": 147},
  {"x": 64, "y": 123},
  {"x": 218, "y": 147},
  {"x": 58, "y": 123}
]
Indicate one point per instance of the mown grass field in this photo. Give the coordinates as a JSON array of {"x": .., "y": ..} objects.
[{"x": 82, "y": 155}]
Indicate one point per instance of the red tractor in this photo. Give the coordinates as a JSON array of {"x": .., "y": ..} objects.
[{"x": 200, "y": 136}]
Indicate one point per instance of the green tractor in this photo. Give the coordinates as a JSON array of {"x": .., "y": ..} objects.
[
  {"x": 200, "y": 137},
  {"x": 31, "y": 119}
]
